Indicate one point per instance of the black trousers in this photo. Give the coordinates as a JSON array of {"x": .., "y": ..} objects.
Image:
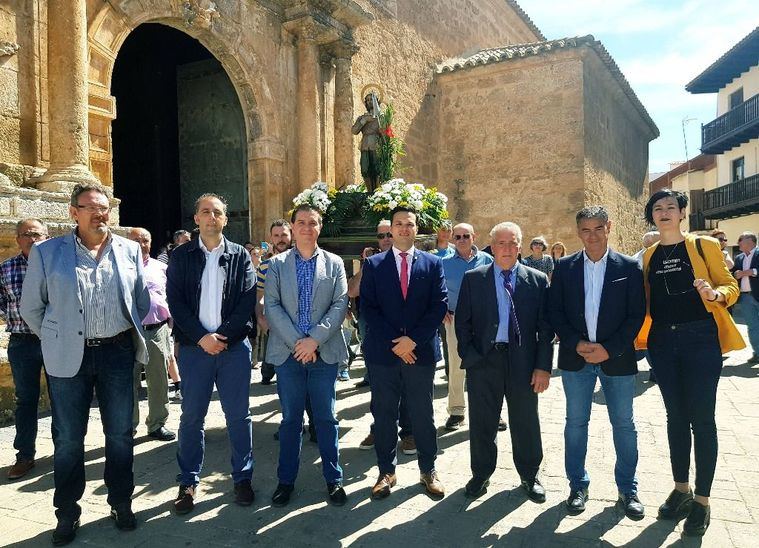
[{"x": 487, "y": 384}]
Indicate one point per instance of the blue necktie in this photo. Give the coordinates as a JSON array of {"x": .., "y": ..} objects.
[{"x": 506, "y": 274}]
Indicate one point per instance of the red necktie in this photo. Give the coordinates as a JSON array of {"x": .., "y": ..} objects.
[{"x": 404, "y": 275}]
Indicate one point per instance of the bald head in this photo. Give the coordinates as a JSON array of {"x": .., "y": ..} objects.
[
  {"x": 650, "y": 238},
  {"x": 142, "y": 237}
]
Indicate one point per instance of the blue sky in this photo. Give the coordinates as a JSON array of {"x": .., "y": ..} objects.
[{"x": 660, "y": 46}]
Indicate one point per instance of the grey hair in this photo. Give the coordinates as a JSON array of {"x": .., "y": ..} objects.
[
  {"x": 513, "y": 227},
  {"x": 29, "y": 220},
  {"x": 748, "y": 234},
  {"x": 445, "y": 225},
  {"x": 653, "y": 236},
  {"x": 384, "y": 222},
  {"x": 81, "y": 188},
  {"x": 207, "y": 195},
  {"x": 592, "y": 212}
]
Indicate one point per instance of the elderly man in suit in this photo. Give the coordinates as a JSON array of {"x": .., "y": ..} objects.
[
  {"x": 306, "y": 299},
  {"x": 746, "y": 271},
  {"x": 596, "y": 306},
  {"x": 504, "y": 341},
  {"x": 84, "y": 296},
  {"x": 404, "y": 300}
]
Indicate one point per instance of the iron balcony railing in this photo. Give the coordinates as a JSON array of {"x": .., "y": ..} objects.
[
  {"x": 733, "y": 200},
  {"x": 736, "y": 126}
]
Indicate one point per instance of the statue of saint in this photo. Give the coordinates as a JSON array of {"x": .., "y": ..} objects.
[{"x": 368, "y": 125}]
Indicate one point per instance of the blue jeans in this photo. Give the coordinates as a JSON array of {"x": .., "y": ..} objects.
[
  {"x": 25, "y": 356},
  {"x": 688, "y": 361},
  {"x": 748, "y": 308},
  {"x": 109, "y": 370},
  {"x": 230, "y": 371},
  {"x": 295, "y": 382},
  {"x": 618, "y": 391}
]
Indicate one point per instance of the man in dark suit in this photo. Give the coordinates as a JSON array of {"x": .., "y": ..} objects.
[
  {"x": 596, "y": 306},
  {"x": 745, "y": 270},
  {"x": 403, "y": 300},
  {"x": 504, "y": 341}
]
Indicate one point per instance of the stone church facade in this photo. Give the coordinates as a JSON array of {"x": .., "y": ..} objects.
[{"x": 529, "y": 133}]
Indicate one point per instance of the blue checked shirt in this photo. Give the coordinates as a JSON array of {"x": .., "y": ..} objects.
[
  {"x": 305, "y": 271},
  {"x": 12, "y": 274}
]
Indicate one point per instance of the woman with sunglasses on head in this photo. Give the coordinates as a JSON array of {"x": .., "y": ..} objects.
[
  {"x": 538, "y": 259},
  {"x": 687, "y": 330}
]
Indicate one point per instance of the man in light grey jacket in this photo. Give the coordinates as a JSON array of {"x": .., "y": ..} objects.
[
  {"x": 84, "y": 296},
  {"x": 306, "y": 298}
]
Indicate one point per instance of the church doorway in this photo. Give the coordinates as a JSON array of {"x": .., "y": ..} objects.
[{"x": 179, "y": 132}]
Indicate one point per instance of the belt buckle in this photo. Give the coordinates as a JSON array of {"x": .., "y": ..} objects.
[{"x": 92, "y": 342}]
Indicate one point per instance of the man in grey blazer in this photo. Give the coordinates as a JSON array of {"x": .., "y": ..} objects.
[
  {"x": 84, "y": 296},
  {"x": 306, "y": 298}
]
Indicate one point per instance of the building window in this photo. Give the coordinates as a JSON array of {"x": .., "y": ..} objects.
[
  {"x": 735, "y": 98},
  {"x": 737, "y": 169}
]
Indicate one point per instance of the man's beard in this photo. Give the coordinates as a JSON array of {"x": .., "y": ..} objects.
[{"x": 282, "y": 246}]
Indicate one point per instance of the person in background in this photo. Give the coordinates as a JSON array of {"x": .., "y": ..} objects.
[
  {"x": 444, "y": 248},
  {"x": 687, "y": 329},
  {"x": 558, "y": 250},
  {"x": 649, "y": 239},
  {"x": 178, "y": 238},
  {"x": 721, "y": 237},
  {"x": 745, "y": 270},
  {"x": 24, "y": 350},
  {"x": 538, "y": 259}
]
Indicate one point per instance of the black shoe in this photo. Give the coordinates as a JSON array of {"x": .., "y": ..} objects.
[
  {"x": 676, "y": 506},
  {"x": 502, "y": 426},
  {"x": 362, "y": 383},
  {"x": 697, "y": 521},
  {"x": 454, "y": 422},
  {"x": 244, "y": 495},
  {"x": 65, "y": 531},
  {"x": 337, "y": 496},
  {"x": 266, "y": 381},
  {"x": 753, "y": 359},
  {"x": 476, "y": 487},
  {"x": 535, "y": 490},
  {"x": 124, "y": 517},
  {"x": 633, "y": 507},
  {"x": 576, "y": 501},
  {"x": 281, "y": 495},
  {"x": 162, "y": 434}
]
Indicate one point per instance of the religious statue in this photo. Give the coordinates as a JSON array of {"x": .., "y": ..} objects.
[{"x": 368, "y": 124}]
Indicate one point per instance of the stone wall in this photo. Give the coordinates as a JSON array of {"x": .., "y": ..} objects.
[{"x": 511, "y": 146}]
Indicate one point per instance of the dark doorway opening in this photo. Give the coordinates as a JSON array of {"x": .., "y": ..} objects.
[{"x": 179, "y": 132}]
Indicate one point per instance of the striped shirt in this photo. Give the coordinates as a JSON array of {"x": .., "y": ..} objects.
[
  {"x": 261, "y": 274},
  {"x": 12, "y": 274},
  {"x": 100, "y": 290},
  {"x": 305, "y": 270}
]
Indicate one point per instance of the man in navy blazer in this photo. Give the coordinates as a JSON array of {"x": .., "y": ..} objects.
[
  {"x": 597, "y": 306},
  {"x": 404, "y": 300},
  {"x": 504, "y": 341},
  {"x": 746, "y": 271}
]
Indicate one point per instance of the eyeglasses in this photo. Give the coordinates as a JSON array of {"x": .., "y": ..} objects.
[
  {"x": 458, "y": 237},
  {"x": 679, "y": 291},
  {"x": 383, "y": 235},
  {"x": 722, "y": 239},
  {"x": 33, "y": 235},
  {"x": 102, "y": 210}
]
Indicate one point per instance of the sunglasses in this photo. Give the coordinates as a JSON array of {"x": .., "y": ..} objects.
[
  {"x": 382, "y": 235},
  {"x": 722, "y": 239},
  {"x": 461, "y": 236}
]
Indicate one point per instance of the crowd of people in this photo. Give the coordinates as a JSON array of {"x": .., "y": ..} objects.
[{"x": 94, "y": 310}]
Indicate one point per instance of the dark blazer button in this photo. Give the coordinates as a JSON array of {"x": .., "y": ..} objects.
[
  {"x": 80, "y": 332},
  {"x": 80, "y": 310}
]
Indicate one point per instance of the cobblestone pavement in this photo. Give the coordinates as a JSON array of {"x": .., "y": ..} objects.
[{"x": 502, "y": 517}]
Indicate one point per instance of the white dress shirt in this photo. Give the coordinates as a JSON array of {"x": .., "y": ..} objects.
[
  {"x": 594, "y": 283},
  {"x": 409, "y": 260},
  {"x": 746, "y": 280},
  {"x": 211, "y": 288}
]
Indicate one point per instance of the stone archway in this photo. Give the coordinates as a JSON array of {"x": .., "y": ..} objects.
[{"x": 109, "y": 27}]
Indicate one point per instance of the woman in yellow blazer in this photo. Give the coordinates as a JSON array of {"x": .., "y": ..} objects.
[{"x": 687, "y": 329}]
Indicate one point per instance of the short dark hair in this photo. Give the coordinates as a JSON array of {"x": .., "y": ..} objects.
[
  {"x": 179, "y": 233},
  {"x": 207, "y": 195},
  {"x": 304, "y": 207},
  {"x": 280, "y": 222},
  {"x": 681, "y": 197},
  {"x": 402, "y": 209},
  {"x": 81, "y": 188},
  {"x": 22, "y": 222},
  {"x": 592, "y": 212}
]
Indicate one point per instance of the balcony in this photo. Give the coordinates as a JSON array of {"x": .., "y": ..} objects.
[
  {"x": 733, "y": 200},
  {"x": 733, "y": 128}
]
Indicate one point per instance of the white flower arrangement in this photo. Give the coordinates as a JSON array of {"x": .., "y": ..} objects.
[
  {"x": 317, "y": 196},
  {"x": 397, "y": 193}
]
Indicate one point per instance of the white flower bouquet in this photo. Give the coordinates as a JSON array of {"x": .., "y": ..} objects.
[{"x": 317, "y": 196}]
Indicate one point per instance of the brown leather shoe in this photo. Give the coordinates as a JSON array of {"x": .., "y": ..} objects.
[
  {"x": 408, "y": 445},
  {"x": 381, "y": 489},
  {"x": 432, "y": 484},
  {"x": 185, "y": 500},
  {"x": 20, "y": 469},
  {"x": 368, "y": 442}
]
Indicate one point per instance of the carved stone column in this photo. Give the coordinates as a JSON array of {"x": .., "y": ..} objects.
[
  {"x": 309, "y": 119},
  {"x": 67, "y": 96},
  {"x": 345, "y": 165}
]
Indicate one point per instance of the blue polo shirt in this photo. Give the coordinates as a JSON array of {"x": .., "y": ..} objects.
[{"x": 454, "y": 268}]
